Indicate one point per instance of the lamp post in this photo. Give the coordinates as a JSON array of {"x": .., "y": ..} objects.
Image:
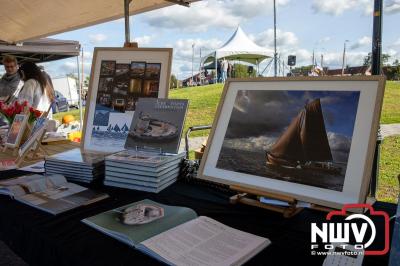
[
  {"x": 192, "y": 61},
  {"x": 344, "y": 55},
  {"x": 275, "y": 54}
]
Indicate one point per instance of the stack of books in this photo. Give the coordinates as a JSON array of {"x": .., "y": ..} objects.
[
  {"x": 143, "y": 171},
  {"x": 76, "y": 165}
]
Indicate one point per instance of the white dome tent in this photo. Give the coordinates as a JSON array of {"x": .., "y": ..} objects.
[{"x": 238, "y": 47}]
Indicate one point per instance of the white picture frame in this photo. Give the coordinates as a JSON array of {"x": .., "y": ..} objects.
[
  {"x": 225, "y": 154},
  {"x": 113, "y": 92}
]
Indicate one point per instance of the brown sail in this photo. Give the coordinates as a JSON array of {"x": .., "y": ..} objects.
[{"x": 304, "y": 140}]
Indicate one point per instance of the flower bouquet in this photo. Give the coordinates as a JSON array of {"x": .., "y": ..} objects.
[{"x": 8, "y": 111}]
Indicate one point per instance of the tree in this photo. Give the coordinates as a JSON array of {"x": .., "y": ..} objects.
[
  {"x": 173, "y": 82},
  {"x": 86, "y": 81},
  {"x": 243, "y": 71},
  {"x": 116, "y": 128},
  {"x": 109, "y": 128},
  {"x": 302, "y": 70},
  {"x": 368, "y": 59}
]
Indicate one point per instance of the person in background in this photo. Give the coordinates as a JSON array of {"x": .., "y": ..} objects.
[
  {"x": 10, "y": 82},
  {"x": 219, "y": 71},
  {"x": 36, "y": 90},
  {"x": 224, "y": 70},
  {"x": 51, "y": 87}
]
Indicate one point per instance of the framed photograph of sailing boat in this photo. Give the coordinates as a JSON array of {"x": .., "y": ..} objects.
[
  {"x": 308, "y": 138},
  {"x": 119, "y": 76}
]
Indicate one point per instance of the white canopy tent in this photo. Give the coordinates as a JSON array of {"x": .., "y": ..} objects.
[
  {"x": 238, "y": 47},
  {"x": 30, "y": 19}
]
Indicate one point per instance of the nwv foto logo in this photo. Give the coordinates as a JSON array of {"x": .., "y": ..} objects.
[{"x": 337, "y": 232}]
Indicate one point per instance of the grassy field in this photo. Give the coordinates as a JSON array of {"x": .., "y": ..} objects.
[
  {"x": 389, "y": 167},
  {"x": 204, "y": 101},
  {"x": 391, "y": 103}
]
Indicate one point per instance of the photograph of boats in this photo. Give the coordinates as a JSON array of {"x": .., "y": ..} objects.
[
  {"x": 107, "y": 68},
  {"x": 295, "y": 136},
  {"x": 137, "y": 69}
]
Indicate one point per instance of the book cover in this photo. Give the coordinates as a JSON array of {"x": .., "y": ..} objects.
[
  {"x": 77, "y": 156},
  {"x": 150, "y": 159},
  {"x": 139, "y": 187},
  {"x": 136, "y": 222},
  {"x": 143, "y": 181},
  {"x": 157, "y": 124},
  {"x": 136, "y": 172}
]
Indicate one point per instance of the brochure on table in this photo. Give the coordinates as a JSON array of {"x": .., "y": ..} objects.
[{"x": 52, "y": 194}]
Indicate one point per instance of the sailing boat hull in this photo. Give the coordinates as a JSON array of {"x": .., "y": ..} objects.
[{"x": 272, "y": 160}]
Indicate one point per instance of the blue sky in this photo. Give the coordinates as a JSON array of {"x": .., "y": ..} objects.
[{"x": 303, "y": 26}]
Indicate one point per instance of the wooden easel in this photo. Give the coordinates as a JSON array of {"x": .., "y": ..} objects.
[{"x": 251, "y": 197}]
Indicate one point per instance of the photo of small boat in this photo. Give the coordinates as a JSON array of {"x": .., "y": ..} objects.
[
  {"x": 304, "y": 144},
  {"x": 148, "y": 128},
  {"x": 141, "y": 214}
]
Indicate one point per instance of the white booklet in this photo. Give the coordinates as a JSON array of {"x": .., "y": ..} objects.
[
  {"x": 176, "y": 236},
  {"x": 52, "y": 194}
]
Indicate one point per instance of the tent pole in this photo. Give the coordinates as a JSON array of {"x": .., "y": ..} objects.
[
  {"x": 126, "y": 13},
  {"x": 80, "y": 92},
  {"x": 216, "y": 68}
]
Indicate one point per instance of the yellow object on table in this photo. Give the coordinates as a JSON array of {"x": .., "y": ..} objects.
[
  {"x": 68, "y": 119},
  {"x": 75, "y": 136}
]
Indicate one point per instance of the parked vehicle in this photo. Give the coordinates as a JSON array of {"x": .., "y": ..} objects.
[
  {"x": 67, "y": 87},
  {"x": 61, "y": 104}
]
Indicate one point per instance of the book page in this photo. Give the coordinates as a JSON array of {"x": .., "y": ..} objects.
[
  {"x": 204, "y": 241},
  {"x": 155, "y": 219}
]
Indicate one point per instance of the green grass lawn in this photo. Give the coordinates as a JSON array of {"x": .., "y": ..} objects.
[
  {"x": 391, "y": 103},
  {"x": 204, "y": 101},
  {"x": 389, "y": 167}
]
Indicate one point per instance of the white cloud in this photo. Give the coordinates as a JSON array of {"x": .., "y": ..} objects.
[
  {"x": 97, "y": 38},
  {"x": 338, "y": 7},
  {"x": 324, "y": 39},
  {"x": 183, "y": 47},
  {"x": 283, "y": 38},
  {"x": 363, "y": 41},
  {"x": 182, "y": 63},
  {"x": 212, "y": 13},
  {"x": 392, "y": 7},
  {"x": 144, "y": 40}
]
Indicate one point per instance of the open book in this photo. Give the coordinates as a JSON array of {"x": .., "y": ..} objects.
[
  {"x": 176, "y": 236},
  {"x": 52, "y": 194}
]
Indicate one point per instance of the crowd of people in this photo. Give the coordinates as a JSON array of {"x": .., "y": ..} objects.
[{"x": 27, "y": 82}]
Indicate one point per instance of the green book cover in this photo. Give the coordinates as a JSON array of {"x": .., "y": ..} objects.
[{"x": 146, "y": 219}]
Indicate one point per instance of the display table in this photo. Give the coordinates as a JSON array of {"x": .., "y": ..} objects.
[
  {"x": 43, "y": 239},
  {"x": 51, "y": 148}
]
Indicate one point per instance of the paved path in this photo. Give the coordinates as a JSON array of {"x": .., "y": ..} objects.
[
  {"x": 194, "y": 143},
  {"x": 390, "y": 130}
]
